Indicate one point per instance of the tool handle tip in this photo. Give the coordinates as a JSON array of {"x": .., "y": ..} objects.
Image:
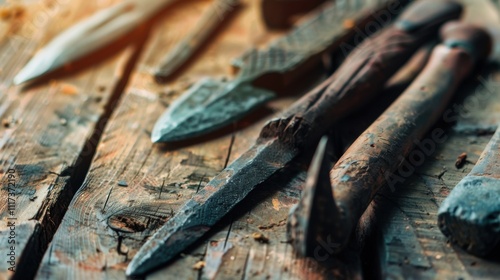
[
  {"x": 422, "y": 15},
  {"x": 474, "y": 40}
]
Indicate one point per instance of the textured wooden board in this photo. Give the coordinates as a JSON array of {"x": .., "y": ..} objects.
[
  {"x": 45, "y": 128},
  {"x": 133, "y": 186}
]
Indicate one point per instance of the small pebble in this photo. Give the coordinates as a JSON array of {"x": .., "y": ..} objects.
[
  {"x": 459, "y": 163},
  {"x": 349, "y": 23},
  {"x": 199, "y": 265},
  {"x": 122, "y": 183},
  {"x": 69, "y": 89},
  {"x": 260, "y": 237}
]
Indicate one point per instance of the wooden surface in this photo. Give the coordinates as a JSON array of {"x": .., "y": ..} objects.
[{"x": 92, "y": 118}]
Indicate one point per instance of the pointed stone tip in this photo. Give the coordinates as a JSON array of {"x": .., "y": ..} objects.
[
  {"x": 133, "y": 271},
  {"x": 19, "y": 79},
  {"x": 170, "y": 135},
  {"x": 27, "y": 74},
  {"x": 140, "y": 265},
  {"x": 155, "y": 137}
]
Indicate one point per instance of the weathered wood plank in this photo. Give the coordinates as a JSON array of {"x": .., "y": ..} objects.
[
  {"x": 46, "y": 129},
  {"x": 134, "y": 186}
]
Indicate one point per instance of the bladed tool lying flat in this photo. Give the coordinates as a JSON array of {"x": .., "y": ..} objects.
[
  {"x": 370, "y": 161},
  {"x": 90, "y": 35},
  {"x": 470, "y": 215},
  {"x": 203, "y": 29},
  {"x": 359, "y": 79},
  {"x": 211, "y": 104}
]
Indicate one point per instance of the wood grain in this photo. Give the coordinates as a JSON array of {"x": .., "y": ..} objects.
[
  {"x": 46, "y": 128},
  {"x": 133, "y": 187}
]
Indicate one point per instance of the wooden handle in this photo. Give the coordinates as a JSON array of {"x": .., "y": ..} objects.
[
  {"x": 370, "y": 162},
  {"x": 185, "y": 49},
  {"x": 363, "y": 75}
]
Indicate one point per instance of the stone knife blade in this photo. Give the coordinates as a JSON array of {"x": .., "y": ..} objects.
[{"x": 89, "y": 35}]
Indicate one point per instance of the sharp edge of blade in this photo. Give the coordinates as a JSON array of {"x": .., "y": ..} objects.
[{"x": 212, "y": 203}]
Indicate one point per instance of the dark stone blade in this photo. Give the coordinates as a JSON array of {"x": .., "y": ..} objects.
[
  {"x": 316, "y": 213},
  {"x": 212, "y": 203}
]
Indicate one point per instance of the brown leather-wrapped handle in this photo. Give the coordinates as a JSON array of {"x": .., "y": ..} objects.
[{"x": 373, "y": 158}]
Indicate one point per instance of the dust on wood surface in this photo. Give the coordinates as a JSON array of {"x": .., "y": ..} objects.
[
  {"x": 133, "y": 187},
  {"x": 45, "y": 128}
]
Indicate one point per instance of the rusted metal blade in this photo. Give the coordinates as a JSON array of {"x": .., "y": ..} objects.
[
  {"x": 89, "y": 35},
  {"x": 184, "y": 50},
  {"x": 213, "y": 202},
  {"x": 289, "y": 57},
  {"x": 316, "y": 212},
  {"x": 470, "y": 215}
]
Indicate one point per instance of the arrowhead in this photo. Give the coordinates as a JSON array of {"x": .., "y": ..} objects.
[
  {"x": 207, "y": 106},
  {"x": 172, "y": 239}
]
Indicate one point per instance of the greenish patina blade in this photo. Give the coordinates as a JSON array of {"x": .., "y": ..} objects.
[{"x": 208, "y": 105}]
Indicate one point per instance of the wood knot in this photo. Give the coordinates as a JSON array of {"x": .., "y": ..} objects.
[{"x": 126, "y": 224}]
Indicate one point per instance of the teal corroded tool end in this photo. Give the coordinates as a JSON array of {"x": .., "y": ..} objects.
[{"x": 207, "y": 106}]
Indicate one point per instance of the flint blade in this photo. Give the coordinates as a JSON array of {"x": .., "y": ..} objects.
[
  {"x": 213, "y": 202},
  {"x": 89, "y": 35}
]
